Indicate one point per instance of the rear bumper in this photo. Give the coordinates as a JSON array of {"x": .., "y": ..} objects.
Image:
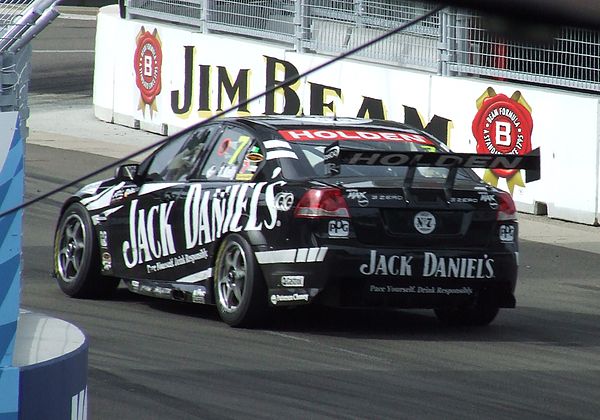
[{"x": 346, "y": 276}]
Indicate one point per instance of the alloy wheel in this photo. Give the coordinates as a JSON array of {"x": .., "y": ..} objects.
[
  {"x": 71, "y": 248},
  {"x": 232, "y": 277}
]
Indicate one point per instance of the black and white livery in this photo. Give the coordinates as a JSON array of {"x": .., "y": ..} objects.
[{"x": 260, "y": 212}]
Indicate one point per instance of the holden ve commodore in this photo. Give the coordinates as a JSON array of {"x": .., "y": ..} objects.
[{"x": 259, "y": 212}]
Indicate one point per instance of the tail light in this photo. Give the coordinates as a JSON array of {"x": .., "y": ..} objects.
[
  {"x": 322, "y": 202},
  {"x": 506, "y": 207}
]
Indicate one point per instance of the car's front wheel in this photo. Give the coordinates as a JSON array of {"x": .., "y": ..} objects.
[
  {"x": 480, "y": 313},
  {"x": 76, "y": 256},
  {"x": 240, "y": 290}
]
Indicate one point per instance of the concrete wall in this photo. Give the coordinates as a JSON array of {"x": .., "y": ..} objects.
[{"x": 162, "y": 78}]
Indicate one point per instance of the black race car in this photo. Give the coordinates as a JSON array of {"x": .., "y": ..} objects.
[{"x": 258, "y": 212}]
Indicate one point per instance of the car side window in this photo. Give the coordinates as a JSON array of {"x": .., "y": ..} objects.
[
  {"x": 235, "y": 156},
  {"x": 177, "y": 159}
]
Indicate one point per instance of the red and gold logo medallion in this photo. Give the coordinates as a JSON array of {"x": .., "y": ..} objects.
[
  {"x": 503, "y": 125},
  {"x": 147, "y": 63}
]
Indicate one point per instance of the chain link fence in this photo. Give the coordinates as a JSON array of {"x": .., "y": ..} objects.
[{"x": 453, "y": 42}]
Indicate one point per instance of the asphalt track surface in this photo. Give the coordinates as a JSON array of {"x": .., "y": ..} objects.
[{"x": 152, "y": 359}]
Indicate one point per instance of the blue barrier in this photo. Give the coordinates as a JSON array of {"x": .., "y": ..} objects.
[
  {"x": 11, "y": 194},
  {"x": 43, "y": 360},
  {"x": 52, "y": 357}
]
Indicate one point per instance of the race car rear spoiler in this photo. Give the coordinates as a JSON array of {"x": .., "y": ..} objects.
[{"x": 336, "y": 155}]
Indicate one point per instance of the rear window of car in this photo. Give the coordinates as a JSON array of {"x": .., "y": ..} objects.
[{"x": 309, "y": 146}]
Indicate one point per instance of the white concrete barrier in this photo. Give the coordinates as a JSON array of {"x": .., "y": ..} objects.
[{"x": 165, "y": 78}]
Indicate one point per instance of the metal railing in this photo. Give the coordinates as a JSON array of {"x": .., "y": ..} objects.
[
  {"x": 569, "y": 59},
  {"x": 452, "y": 42},
  {"x": 332, "y": 27},
  {"x": 20, "y": 21}
]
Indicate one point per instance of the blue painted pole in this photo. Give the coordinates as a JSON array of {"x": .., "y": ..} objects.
[{"x": 11, "y": 194}]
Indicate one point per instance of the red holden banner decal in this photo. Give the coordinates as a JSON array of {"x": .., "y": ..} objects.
[
  {"x": 503, "y": 126},
  {"x": 338, "y": 135},
  {"x": 147, "y": 63}
]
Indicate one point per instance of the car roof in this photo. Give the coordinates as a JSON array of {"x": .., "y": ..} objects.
[{"x": 280, "y": 122}]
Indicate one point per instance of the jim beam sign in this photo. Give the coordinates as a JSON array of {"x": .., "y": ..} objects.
[
  {"x": 147, "y": 63},
  {"x": 503, "y": 126}
]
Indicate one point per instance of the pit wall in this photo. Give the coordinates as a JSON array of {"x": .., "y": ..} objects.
[{"x": 162, "y": 78}]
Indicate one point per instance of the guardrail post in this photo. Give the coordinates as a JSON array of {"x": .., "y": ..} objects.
[
  {"x": 204, "y": 16},
  {"x": 444, "y": 43},
  {"x": 299, "y": 25},
  {"x": 359, "y": 11}
]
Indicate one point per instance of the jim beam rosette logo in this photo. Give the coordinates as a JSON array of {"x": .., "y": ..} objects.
[
  {"x": 503, "y": 125},
  {"x": 147, "y": 63}
]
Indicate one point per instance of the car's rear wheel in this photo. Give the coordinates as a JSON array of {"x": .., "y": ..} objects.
[
  {"x": 480, "y": 313},
  {"x": 240, "y": 290},
  {"x": 77, "y": 257}
]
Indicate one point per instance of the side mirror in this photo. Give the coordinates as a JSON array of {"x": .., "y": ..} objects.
[{"x": 126, "y": 172}]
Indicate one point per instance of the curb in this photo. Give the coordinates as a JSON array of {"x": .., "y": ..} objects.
[{"x": 78, "y": 10}]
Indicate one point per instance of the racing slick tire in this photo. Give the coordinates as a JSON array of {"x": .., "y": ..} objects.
[
  {"x": 77, "y": 257},
  {"x": 478, "y": 314},
  {"x": 239, "y": 286}
]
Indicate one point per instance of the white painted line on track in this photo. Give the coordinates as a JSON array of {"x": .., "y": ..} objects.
[
  {"x": 330, "y": 347},
  {"x": 76, "y": 17},
  {"x": 357, "y": 354},
  {"x": 64, "y": 51},
  {"x": 291, "y": 337}
]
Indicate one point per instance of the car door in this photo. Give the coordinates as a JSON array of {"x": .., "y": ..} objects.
[
  {"x": 144, "y": 229},
  {"x": 218, "y": 197}
]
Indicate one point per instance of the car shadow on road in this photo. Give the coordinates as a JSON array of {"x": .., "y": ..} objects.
[
  {"x": 529, "y": 324},
  {"x": 525, "y": 324},
  {"x": 208, "y": 312}
]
